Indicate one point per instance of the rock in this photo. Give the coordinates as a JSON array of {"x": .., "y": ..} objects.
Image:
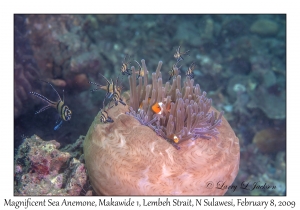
[
  {"x": 273, "y": 105},
  {"x": 264, "y": 27},
  {"x": 270, "y": 140},
  {"x": 208, "y": 32}
]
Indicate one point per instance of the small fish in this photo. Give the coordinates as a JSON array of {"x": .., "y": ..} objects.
[
  {"x": 109, "y": 87},
  {"x": 63, "y": 110},
  {"x": 189, "y": 72},
  {"x": 125, "y": 67},
  {"x": 140, "y": 71},
  {"x": 174, "y": 138},
  {"x": 117, "y": 95},
  {"x": 179, "y": 55},
  {"x": 157, "y": 108},
  {"x": 172, "y": 141},
  {"x": 173, "y": 73},
  {"x": 104, "y": 118}
]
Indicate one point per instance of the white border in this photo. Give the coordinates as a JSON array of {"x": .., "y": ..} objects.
[{"x": 6, "y": 84}]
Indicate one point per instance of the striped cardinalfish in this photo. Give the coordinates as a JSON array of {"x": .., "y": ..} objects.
[
  {"x": 178, "y": 55},
  {"x": 141, "y": 72},
  {"x": 63, "y": 110},
  {"x": 190, "y": 71},
  {"x": 117, "y": 95},
  {"x": 174, "y": 71},
  {"x": 125, "y": 67},
  {"x": 104, "y": 118},
  {"x": 109, "y": 87}
]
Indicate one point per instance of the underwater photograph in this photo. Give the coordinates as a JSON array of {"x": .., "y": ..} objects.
[{"x": 149, "y": 104}]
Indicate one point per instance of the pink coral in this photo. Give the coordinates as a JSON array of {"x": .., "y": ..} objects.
[{"x": 41, "y": 169}]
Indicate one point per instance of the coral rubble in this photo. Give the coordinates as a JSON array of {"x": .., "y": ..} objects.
[{"x": 41, "y": 169}]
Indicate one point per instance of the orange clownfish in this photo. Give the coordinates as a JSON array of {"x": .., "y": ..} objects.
[
  {"x": 174, "y": 138},
  {"x": 157, "y": 108}
]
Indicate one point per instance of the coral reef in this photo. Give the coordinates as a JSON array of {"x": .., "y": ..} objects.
[
  {"x": 41, "y": 169},
  {"x": 133, "y": 155}
]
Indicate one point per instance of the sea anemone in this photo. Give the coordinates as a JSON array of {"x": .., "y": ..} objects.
[
  {"x": 184, "y": 149},
  {"x": 184, "y": 111}
]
